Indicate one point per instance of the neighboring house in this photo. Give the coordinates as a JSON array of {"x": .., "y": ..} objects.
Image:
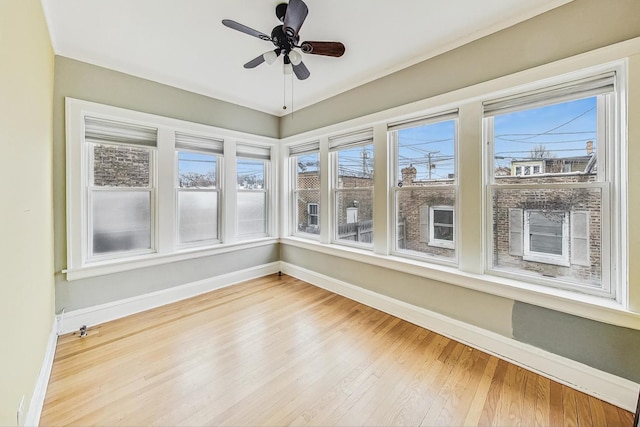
[{"x": 550, "y": 165}]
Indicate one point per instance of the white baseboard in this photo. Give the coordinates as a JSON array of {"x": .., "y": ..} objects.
[
  {"x": 91, "y": 316},
  {"x": 602, "y": 385},
  {"x": 40, "y": 390}
]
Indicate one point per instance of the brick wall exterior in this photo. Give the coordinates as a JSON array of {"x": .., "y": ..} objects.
[
  {"x": 564, "y": 200},
  {"x": 120, "y": 166}
]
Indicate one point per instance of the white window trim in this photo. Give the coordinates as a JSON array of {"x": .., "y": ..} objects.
[
  {"x": 165, "y": 219},
  {"x": 542, "y": 257},
  {"x": 614, "y": 283},
  {"x": 440, "y": 243},
  {"x": 470, "y": 99},
  {"x": 268, "y": 204},
  {"x": 217, "y": 190},
  {"x": 291, "y": 162},
  {"x": 335, "y": 191}
]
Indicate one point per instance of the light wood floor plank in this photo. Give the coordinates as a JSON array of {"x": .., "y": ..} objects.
[{"x": 278, "y": 351}]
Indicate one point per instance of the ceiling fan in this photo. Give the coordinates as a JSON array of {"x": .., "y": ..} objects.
[{"x": 286, "y": 39}]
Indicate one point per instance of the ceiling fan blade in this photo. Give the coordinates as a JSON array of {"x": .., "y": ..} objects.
[
  {"x": 301, "y": 71},
  {"x": 295, "y": 16},
  {"x": 335, "y": 49},
  {"x": 244, "y": 29},
  {"x": 254, "y": 62}
]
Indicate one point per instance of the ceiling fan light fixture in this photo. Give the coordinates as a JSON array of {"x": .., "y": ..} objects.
[
  {"x": 287, "y": 69},
  {"x": 295, "y": 57},
  {"x": 270, "y": 57}
]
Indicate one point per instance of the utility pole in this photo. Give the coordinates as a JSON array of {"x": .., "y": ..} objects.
[
  {"x": 429, "y": 163},
  {"x": 365, "y": 156}
]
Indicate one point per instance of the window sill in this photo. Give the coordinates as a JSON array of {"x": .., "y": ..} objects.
[
  {"x": 587, "y": 306},
  {"x": 119, "y": 265}
]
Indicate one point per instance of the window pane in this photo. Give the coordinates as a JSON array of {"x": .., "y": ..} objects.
[
  {"x": 120, "y": 166},
  {"x": 307, "y": 193},
  {"x": 196, "y": 170},
  {"x": 415, "y": 233},
  {"x": 308, "y": 165},
  {"x": 554, "y": 139},
  {"x": 198, "y": 216},
  {"x": 443, "y": 216},
  {"x": 426, "y": 153},
  {"x": 308, "y": 210},
  {"x": 354, "y": 210},
  {"x": 355, "y": 167},
  {"x": 546, "y": 210},
  {"x": 251, "y": 213},
  {"x": 251, "y": 174},
  {"x": 121, "y": 221}
]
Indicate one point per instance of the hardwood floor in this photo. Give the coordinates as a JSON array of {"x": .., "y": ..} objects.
[{"x": 278, "y": 351}]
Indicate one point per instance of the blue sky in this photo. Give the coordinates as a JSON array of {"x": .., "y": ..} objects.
[{"x": 205, "y": 163}]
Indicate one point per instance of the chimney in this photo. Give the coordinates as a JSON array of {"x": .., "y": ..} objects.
[
  {"x": 589, "y": 147},
  {"x": 408, "y": 175}
]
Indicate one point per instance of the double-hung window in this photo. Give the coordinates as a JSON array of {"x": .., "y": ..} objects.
[
  {"x": 198, "y": 188},
  {"x": 305, "y": 164},
  {"x": 425, "y": 186},
  {"x": 253, "y": 190},
  {"x": 121, "y": 191},
  {"x": 352, "y": 156},
  {"x": 553, "y": 183}
]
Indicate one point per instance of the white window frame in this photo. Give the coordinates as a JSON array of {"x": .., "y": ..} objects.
[
  {"x": 547, "y": 258},
  {"x": 440, "y": 243},
  {"x": 610, "y": 146},
  {"x": 394, "y": 172},
  {"x": 164, "y": 212},
  {"x": 265, "y": 191},
  {"x": 217, "y": 189},
  {"x": 295, "y": 151},
  {"x": 337, "y": 144},
  {"x": 91, "y": 189}
]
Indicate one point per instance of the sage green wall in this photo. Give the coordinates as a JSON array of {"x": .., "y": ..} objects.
[
  {"x": 577, "y": 27},
  {"x": 97, "y": 290},
  {"x": 476, "y": 308},
  {"x": 26, "y": 228},
  {"x": 91, "y": 83}
]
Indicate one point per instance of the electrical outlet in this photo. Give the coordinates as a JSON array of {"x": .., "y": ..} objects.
[{"x": 19, "y": 412}]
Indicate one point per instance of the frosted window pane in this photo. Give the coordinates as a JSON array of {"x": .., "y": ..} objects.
[
  {"x": 121, "y": 221},
  {"x": 251, "y": 213},
  {"x": 198, "y": 216},
  {"x": 120, "y": 166}
]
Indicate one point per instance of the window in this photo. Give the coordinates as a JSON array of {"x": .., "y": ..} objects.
[
  {"x": 551, "y": 218},
  {"x": 121, "y": 191},
  {"x": 441, "y": 229},
  {"x": 312, "y": 209},
  {"x": 305, "y": 164},
  {"x": 353, "y": 188},
  {"x": 425, "y": 186},
  {"x": 198, "y": 188},
  {"x": 145, "y": 190},
  {"x": 252, "y": 186}
]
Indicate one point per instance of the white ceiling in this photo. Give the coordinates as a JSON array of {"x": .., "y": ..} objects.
[{"x": 182, "y": 43}]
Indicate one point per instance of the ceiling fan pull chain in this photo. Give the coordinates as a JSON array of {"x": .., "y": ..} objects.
[{"x": 284, "y": 91}]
